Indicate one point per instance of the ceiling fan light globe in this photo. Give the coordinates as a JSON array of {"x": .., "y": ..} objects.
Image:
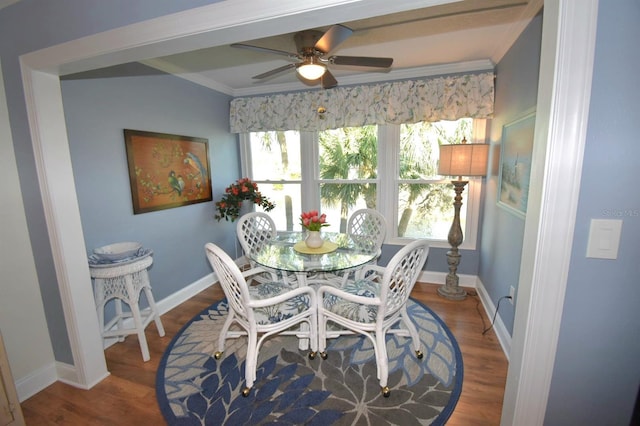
[{"x": 311, "y": 71}]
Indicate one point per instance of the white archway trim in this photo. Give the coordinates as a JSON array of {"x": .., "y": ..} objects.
[
  {"x": 564, "y": 91},
  {"x": 53, "y": 162},
  {"x": 216, "y": 24}
]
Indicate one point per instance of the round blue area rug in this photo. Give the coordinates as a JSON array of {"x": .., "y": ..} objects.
[{"x": 193, "y": 388}]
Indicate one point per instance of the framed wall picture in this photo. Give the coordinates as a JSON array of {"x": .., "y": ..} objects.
[
  {"x": 167, "y": 171},
  {"x": 515, "y": 164}
]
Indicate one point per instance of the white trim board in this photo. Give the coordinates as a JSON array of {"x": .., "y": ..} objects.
[
  {"x": 562, "y": 114},
  {"x": 33, "y": 383},
  {"x": 504, "y": 338}
]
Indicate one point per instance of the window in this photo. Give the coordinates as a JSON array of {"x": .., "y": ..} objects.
[
  {"x": 391, "y": 168},
  {"x": 276, "y": 166},
  {"x": 425, "y": 201},
  {"x": 348, "y": 172}
]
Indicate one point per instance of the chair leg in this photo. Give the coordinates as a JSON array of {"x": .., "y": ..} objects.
[
  {"x": 303, "y": 342},
  {"x": 382, "y": 361},
  {"x": 251, "y": 362},
  {"x": 223, "y": 333},
  {"x": 322, "y": 332},
  {"x": 415, "y": 337},
  {"x": 313, "y": 332}
]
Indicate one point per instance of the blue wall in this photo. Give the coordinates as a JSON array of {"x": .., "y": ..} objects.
[
  {"x": 502, "y": 231},
  {"x": 29, "y": 25},
  {"x": 96, "y": 112},
  {"x": 596, "y": 373}
]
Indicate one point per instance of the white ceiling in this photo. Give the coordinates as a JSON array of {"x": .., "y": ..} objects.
[{"x": 463, "y": 36}]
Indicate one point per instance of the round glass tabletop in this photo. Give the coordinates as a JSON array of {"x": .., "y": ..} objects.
[{"x": 280, "y": 253}]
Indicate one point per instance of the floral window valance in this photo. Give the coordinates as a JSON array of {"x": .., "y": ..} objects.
[{"x": 411, "y": 101}]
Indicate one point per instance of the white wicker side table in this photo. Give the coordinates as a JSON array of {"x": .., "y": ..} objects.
[{"x": 125, "y": 283}]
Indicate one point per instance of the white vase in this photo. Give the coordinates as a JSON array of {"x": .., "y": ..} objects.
[{"x": 314, "y": 239}]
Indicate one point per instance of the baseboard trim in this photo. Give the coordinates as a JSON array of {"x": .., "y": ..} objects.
[
  {"x": 33, "y": 383},
  {"x": 440, "y": 278},
  {"x": 48, "y": 375},
  {"x": 501, "y": 331},
  {"x": 170, "y": 302},
  {"x": 186, "y": 293},
  {"x": 68, "y": 374}
]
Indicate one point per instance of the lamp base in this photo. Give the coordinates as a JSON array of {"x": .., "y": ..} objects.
[{"x": 452, "y": 292}]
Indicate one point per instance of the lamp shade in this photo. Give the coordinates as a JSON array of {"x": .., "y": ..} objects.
[
  {"x": 463, "y": 159},
  {"x": 311, "y": 69}
]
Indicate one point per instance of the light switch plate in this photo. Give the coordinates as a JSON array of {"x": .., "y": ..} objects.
[{"x": 604, "y": 238}]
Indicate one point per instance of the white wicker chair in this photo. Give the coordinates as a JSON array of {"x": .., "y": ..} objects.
[
  {"x": 368, "y": 228},
  {"x": 253, "y": 229},
  {"x": 261, "y": 310},
  {"x": 372, "y": 308}
]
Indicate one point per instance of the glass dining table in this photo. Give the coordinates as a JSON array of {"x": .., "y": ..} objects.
[
  {"x": 329, "y": 264},
  {"x": 340, "y": 253}
]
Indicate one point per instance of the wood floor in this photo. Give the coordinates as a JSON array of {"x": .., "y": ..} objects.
[{"x": 127, "y": 396}]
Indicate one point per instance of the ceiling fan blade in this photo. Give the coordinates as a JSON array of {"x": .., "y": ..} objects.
[
  {"x": 332, "y": 38},
  {"x": 362, "y": 61},
  {"x": 266, "y": 50},
  {"x": 328, "y": 80},
  {"x": 274, "y": 71}
]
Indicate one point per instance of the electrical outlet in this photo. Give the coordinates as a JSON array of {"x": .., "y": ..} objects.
[{"x": 512, "y": 294}]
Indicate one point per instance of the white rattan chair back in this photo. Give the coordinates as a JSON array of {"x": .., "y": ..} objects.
[
  {"x": 233, "y": 283},
  {"x": 400, "y": 276},
  {"x": 367, "y": 225},
  {"x": 254, "y": 229}
]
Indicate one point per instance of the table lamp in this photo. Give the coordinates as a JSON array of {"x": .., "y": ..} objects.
[{"x": 459, "y": 160}]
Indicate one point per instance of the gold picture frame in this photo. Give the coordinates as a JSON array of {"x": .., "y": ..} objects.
[{"x": 167, "y": 171}]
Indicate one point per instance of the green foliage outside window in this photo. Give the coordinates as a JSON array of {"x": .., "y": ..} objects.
[
  {"x": 348, "y": 174},
  {"x": 349, "y": 154}
]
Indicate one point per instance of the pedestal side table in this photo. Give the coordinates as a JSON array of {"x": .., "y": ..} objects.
[{"x": 124, "y": 283}]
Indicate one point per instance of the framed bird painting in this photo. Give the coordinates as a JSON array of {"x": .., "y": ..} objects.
[{"x": 167, "y": 171}]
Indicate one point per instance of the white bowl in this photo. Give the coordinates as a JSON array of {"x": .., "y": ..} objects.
[{"x": 117, "y": 251}]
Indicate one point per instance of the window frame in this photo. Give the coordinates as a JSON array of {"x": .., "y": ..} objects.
[{"x": 387, "y": 182}]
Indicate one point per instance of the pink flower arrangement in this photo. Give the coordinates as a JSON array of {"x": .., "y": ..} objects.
[{"x": 312, "y": 221}]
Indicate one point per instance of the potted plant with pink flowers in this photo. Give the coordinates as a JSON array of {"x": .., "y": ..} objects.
[{"x": 228, "y": 208}]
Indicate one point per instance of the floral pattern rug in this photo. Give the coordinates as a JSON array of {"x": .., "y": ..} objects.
[{"x": 193, "y": 388}]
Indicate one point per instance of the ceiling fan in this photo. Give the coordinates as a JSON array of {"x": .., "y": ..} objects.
[{"x": 313, "y": 46}]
